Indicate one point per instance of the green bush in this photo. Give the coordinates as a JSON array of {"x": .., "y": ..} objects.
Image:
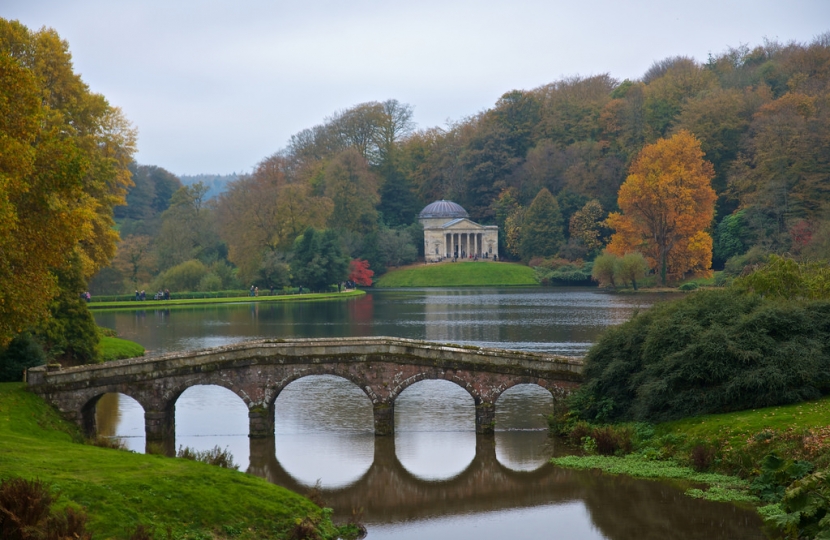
[
  {"x": 23, "y": 352},
  {"x": 714, "y": 351},
  {"x": 690, "y": 286}
]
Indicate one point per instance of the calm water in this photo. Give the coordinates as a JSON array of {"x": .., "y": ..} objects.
[{"x": 435, "y": 478}]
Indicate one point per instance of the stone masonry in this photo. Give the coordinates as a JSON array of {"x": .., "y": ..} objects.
[{"x": 257, "y": 371}]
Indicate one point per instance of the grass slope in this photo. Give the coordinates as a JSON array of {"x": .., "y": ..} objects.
[
  {"x": 113, "y": 348},
  {"x": 737, "y": 428},
  {"x": 121, "y": 489},
  {"x": 311, "y": 297},
  {"x": 462, "y": 274}
]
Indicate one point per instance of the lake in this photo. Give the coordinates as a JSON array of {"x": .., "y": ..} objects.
[{"x": 435, "y": 478}]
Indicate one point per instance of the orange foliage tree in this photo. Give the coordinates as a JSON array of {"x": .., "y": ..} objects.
[{"x": 667, "y": 202}]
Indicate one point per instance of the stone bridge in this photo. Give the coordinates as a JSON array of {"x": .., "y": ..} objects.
[{"x": 257, "y": 371}]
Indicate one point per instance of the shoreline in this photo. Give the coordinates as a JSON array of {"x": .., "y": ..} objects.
[{"x": 188, "y": 302}]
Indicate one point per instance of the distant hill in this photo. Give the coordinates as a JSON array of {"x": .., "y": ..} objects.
[{"x": 216, "y": 182}]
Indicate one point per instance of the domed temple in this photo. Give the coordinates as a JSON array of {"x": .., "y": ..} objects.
[{"x": 450, "y": 234}]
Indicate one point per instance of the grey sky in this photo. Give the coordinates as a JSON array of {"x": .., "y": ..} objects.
[{"x": 214, "y": 87}]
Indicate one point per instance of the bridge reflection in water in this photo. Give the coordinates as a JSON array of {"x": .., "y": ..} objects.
[{"x": 621, "y": 508}]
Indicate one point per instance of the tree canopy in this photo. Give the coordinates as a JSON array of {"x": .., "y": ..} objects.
[
  {"x": 64, "y": 156},
  {"x": 667, "y": 203}
]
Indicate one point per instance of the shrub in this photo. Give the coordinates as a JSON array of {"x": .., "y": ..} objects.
[
  {"x": 714, "y": 351},
  {"x": 690, "y": 286},
  {"x": 612, "y": 440},
  {"x": 702, "y": 457},
  {"x": 23, "y": 352},
  {"x": 26, "y": 513},
  {"x": 805, "y": 508},
  {"x": 215, "y": 456}
]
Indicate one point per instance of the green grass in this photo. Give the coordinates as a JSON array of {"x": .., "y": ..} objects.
[
  {"x": 460, "y": 274},
  {"x": 150, "y": 304},
  {"x": 120, "y": 489},
  {"x": 113, "y": 348},
  {"x": 735, "y": 428}
]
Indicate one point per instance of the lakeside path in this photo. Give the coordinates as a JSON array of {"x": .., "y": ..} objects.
[{"x": 149, "y": 304}]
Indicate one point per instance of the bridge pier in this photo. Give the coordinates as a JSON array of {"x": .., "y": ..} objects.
[
  {"x": 384, "y": 414},
  {"x": 485, "y": 418},
  {"x": 261, "y": 422},
  {"x": 160, "y": 430}
]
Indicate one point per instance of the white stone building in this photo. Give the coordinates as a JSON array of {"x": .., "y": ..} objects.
[{"x": 449, "y": 233}]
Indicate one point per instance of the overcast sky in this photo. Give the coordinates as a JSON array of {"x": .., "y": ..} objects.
[{"x": 215, "y": 87}]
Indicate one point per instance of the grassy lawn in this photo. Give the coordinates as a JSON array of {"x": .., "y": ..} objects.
[
  {"x": 460, "y": 274},
  {"x": 735, "y": 428},
  {"x": 113, "y": 348},
  {"x": 120, "y": 489},
  {"x": 147, "y": 304}
]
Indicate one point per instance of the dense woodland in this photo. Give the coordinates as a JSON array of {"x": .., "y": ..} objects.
[{"x": 761, "y": 116}]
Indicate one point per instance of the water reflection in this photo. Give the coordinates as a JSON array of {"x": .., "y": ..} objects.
[
  {"x": 560, "y": 320},
  {"x": 435, "y": 478},
  {"x": 398, "y": 504}
]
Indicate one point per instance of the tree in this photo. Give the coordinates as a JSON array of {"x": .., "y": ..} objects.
[
  {"x": 667, "y": 202},
  {"x": 318, "y": 261},
  {"x": 360, "y": 273},
  {"x": 631, "y": 267},
  {"x": 604, "y": 270},
  {"x": 396, "y": 247},
  {"x": 354, "y": 190},
  {"x": 586, "y": 225},
  {"x": 541, "y": 234},
  {"x": 134, "y": 259},
  {"x": 64, "y": 153}
]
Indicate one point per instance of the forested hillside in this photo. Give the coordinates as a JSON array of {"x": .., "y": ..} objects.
[{"x": 753, "y": 121}]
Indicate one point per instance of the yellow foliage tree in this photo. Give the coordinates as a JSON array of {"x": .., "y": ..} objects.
[
  {"x": 64, "y": 153},
  {"x": 667, "y": 202}
]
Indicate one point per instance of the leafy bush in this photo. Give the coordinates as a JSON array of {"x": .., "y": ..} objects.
[
  {"x": 805, "y": 508},
  {"x": 23, "y": 352},
  {"x": 26, "y": 513},
  {"x": 215, "y": 456},
  {"x": 714, "y": 351},
  {"x": 182, "y": 277},
  {"x": 690, "y": 286}
]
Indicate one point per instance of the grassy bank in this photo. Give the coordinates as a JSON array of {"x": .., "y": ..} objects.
[
  {"x": 155, "y": 304},
  {"x": 120, "y": 490},
  {"x": 772, "y": 457},
  {"x": 460, "y": 274},
  {"x": 113, "y": 348}
]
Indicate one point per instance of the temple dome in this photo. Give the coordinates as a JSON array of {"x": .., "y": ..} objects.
[{"x": 443, "y": 209}]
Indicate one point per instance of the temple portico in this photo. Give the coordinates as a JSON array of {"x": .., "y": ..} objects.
[{"x": 450, "y": 234}]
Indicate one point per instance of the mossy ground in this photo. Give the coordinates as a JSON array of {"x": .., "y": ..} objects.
[
  {"x": 120, "y": 489},
  {"x": 460, "y": 274}
]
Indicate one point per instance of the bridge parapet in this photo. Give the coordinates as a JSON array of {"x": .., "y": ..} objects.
[{"x": 258, "y": 370}]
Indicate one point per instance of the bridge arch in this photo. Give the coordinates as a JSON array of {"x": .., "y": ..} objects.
[
  {"x": 382, "y": 367},
  {"x": 324, "y": 369},
  {"x": 89, "y": 403}
]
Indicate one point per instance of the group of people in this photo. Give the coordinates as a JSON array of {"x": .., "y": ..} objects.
[{"x": 160, "y": 295}]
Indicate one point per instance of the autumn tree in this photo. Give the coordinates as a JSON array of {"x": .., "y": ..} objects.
[
  {"x": 353, "y": 188},
  {"x": 667, "y": 202},
  {"x": 586, "y": 225},
  {"x": 135, "y": 259},
  {"x": 261, "y": 214},
  {"x": 360, "y": 273},
  {"x": 541, "y": 234},
  {"x": 64, "y": 153}
]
